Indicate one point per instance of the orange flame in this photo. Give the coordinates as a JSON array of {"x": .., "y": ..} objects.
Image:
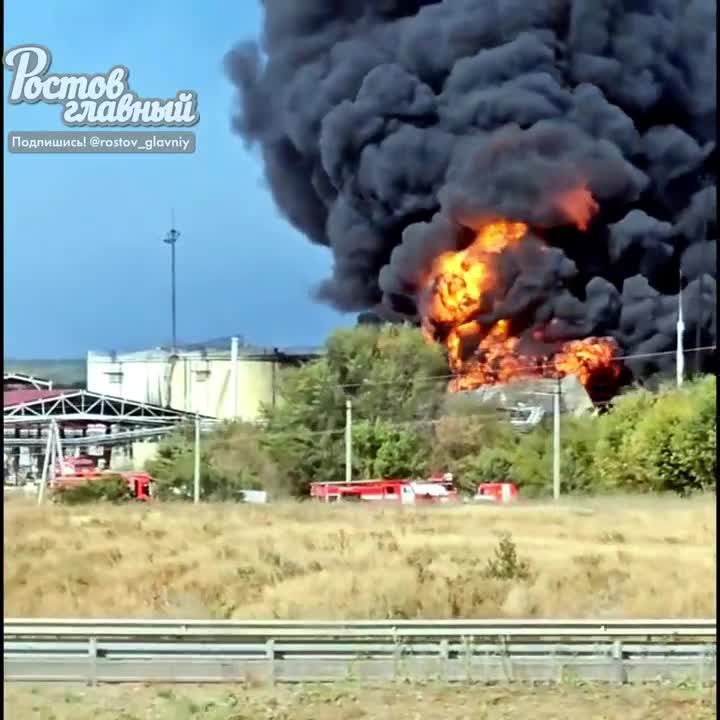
[
  {"x": 457, "y": 290},
  {"x": 461, "y": 279},
  {"x": 578, "y": 206}
]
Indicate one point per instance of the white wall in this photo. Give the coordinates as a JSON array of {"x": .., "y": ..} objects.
[
  {"x": 142, "y": 380},
  {"x": 190, "y": 383}
]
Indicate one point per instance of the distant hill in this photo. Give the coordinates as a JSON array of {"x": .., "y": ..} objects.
[{"x": 63, "y": 373}]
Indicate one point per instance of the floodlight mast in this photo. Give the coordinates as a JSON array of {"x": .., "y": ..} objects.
[{"x": 171, "y": 239}]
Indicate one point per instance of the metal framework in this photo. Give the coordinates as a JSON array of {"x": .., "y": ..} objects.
[
  {"x": 115, "y": 438},
  {"x": 85, "y": 406},
  {"x": 30, "y": 380}
]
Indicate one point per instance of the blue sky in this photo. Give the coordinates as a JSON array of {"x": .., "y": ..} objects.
[{"x": 85, "y": 268}]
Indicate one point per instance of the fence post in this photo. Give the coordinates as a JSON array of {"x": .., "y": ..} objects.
[
  {"x": 701, "y": 667},
  {"x": 270, "y": 654},
  {"x": 507, "y": 662},
  {"x": 468, "y": 643},
  {"x": 559, "y": 667},
  {"x": 618, "y": 657},
  {"x": 397, "y": 653},
  {"x": 92, "y": 661},
  {"x": 444, "y": 653}
]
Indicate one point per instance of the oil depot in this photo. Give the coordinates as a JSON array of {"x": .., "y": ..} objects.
[
  {"x": 220, "y": 381},
  {"x": 132, "y": 400}
]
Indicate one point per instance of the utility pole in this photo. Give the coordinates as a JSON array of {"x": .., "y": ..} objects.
[
  {"x": 49, "y": 452},
  {"x": 234, "y": 342},
  {"x": 348, "y": 441},
  {"x": 53, "y": 456},
  {"x": 171, "y": 239},
  {"x": 679, "y": 331},
  {"x": 556, "y": 440},
  {"x": 196, "y": 476}
]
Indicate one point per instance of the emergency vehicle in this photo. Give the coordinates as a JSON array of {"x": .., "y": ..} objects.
[
  {"x": 498, "y": 492},
  {"x": 78, "y": 470},
  {"x": 438, "y": 489}
]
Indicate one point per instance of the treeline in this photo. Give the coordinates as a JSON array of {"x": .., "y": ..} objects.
[{"x": 645, "y": 442}]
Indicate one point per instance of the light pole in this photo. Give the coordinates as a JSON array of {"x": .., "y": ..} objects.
[
  {"x": 556, "y": 406},
  {"x": 170, "y": 239},
  {"x": 348, "y": 441},
  {"x": 679, "y": 333},
  {"x": 556, "y": 440}
]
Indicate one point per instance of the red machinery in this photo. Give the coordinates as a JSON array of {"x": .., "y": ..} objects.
[
  {"x": 498, "y": 492},
  {"x": 82, "y": 469},
  {"x": 404, "y": 492}
]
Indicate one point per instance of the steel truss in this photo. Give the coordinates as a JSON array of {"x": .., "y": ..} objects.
[
  {"x": 85, "y": 406},
  {"x": 115, "y": 438},
  {"x": 27, "y": 380}
]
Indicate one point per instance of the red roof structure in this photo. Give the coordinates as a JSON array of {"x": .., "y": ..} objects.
[{"x": 25, "y": 395}]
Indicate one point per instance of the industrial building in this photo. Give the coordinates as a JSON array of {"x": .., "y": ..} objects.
[
  {"x": 114, "y": 431},
  {"x": 216, "y": 380}
]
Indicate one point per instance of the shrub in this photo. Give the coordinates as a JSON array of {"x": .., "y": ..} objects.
[
  {"x": 112, "y": 489},
  {"x": 232, "y": 460},
  {"x": 505, "y": 563},
  {"x": 615, "y": 432},
  {"x": 662, "y": 442}
]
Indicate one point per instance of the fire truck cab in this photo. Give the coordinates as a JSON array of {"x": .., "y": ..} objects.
[
  {"x": 78, "y": 470},
  {"x": 499, "y": 492},
  {"x": 140, "y": 485}
]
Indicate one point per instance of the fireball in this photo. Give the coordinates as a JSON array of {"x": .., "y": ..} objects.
[{"x": 456, "y": 292}]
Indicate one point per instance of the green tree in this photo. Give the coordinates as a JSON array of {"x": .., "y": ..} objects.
[
  {"x": 532, "y": 460},
  {"x": 694, "y": 441},
  {"x": 232, "y": 460},
  {"x": 476, "y": 446},
  {"x": 390, "y": 373},
  {"x": 578, "y": 443},
  {"x": 384, "y": 450},
  {"x": 673, "y": 446},
  {"x": 614, "y": 434}
]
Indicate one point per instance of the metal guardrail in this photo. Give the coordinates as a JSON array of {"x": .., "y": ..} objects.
[
  {"x": 705, "y": 628},
  {"x": 292, "y": 651}
]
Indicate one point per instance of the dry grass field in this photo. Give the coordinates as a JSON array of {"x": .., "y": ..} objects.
[
  {"x": 615, "y": 557},
  {"x": 356, "y": 703}
]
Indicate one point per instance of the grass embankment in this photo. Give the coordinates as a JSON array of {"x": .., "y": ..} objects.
[
  {"x": 625, "y": 557},
  {"x": 355, "y": 703}
]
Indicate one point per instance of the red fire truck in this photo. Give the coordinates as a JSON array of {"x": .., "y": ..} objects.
[
  {"x": 82, "y": 469},
  {"x": 438, "y": 489},
  {"x": 497, "y": 492}
]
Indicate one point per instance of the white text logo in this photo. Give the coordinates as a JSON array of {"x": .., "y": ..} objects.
[{"x": 92, "y": 100}]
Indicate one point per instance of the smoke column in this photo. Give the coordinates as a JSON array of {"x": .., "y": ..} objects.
[{"x": 387, "y": 127}]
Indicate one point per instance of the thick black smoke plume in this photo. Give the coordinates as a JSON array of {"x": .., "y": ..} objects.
[{"x": 388, "y": 126}]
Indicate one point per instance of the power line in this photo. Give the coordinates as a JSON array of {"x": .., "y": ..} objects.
[
  {"x": 226, "y": 356},
  {"x": 524, "y": 371},
  {"x": 539, "y": 366},
  {"x": 487, "y": 419},
  {"x": 270, "y": 357}
]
